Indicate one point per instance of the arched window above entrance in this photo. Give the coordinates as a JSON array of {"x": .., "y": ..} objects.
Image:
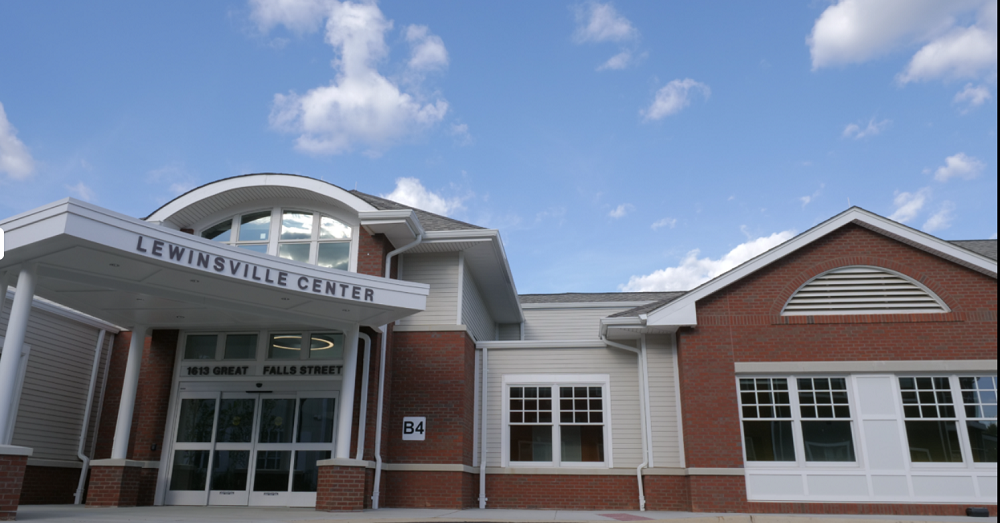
[{"x": 300, "y": 235}]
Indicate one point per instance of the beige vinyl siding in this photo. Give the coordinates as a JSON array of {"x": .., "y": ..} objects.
[
  {"x": 475, "y": 315},
  {"x": 509, "y": 331},
  {"x": 575, "y": 323},
  {"x": 440, "y": 271},
  {"x": 620, "y": 365},
  {"x": 663, "y": 401},
  {"x": 56, "y": 382}
]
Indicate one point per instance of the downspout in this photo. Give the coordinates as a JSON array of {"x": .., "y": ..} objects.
[
  {"x": 645, "y": 391},
  {"x": 381, "y": 378},
  {"x": 642, "y": 412},
  {"x": 78, "y": 497},
  {"x": 363, "y": 415},
  {"x": 482, "y": 436}
]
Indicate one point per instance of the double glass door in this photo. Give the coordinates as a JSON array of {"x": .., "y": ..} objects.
[{"x": 237, "y": 448}]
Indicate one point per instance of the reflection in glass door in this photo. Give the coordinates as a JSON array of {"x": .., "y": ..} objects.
[
  {"x": 245, "y": 448},
  {"x": 233, "y": 448}
]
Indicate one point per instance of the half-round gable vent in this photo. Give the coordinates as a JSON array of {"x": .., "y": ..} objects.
[{"x": 862, "y": 290}]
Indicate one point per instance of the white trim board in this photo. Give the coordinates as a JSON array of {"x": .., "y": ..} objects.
[{"x": 866, "y": 366}]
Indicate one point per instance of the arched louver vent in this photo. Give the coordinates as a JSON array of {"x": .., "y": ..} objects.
[{"x": 862, "y": 290}]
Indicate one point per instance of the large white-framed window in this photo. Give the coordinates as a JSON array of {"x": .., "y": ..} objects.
[
  {"x": 794, "y": 421},
  {"x": 221, "y": 346},
  {"x": 557, "y": 420},
  {"x": 297, "y": 234},
  {"x": 327, "y": 345},
  {"x": 950, "y": 419}
]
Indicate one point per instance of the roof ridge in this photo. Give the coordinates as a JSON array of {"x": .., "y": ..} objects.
[{"x": 371, "y": 199}]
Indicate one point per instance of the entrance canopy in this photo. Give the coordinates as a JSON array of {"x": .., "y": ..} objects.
[{"x": 130, "y": 272}]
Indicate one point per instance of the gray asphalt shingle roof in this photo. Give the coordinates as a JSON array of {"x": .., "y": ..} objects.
[
  {"x": 428, "y": 220},
  {"x": 986, "y": 248}
]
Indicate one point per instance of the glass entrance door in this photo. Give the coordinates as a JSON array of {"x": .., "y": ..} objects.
[{"x": 234, "y": 448}]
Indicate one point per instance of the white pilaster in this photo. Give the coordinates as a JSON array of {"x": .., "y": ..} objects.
[
  {"x": 17, "y": 327},
  {"x": 119, "y": 448},
  {"x": 345, "y": 414}
]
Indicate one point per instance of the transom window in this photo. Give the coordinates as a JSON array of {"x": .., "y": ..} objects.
[
  {"x": 557, "y": 424},
  {"x": 279, "y": 346},
  {"x": 299, "y": 235},
  {"x": 234, "y": 346}
]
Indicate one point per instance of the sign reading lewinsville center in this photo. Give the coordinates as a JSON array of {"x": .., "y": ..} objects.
[{"x": 250, "y": 272}]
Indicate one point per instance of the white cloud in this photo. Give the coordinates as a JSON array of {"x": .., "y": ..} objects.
[
  {"x": 621, "y": 210},
  {"x": 673, "y": 97},
  {"x": 300, "y": 16},
  {"x": 855, "y": 31},
  {"x": 461, "y": 133},
  {"x": 602, "y": 23},
  {"x": 973, "y": 96},
  {"x": 360, "y": 107},
  {"x": 15, "y": 160},
  {"x": 693, "y": 271},
  {"x": 665, "y": 222},
  {"x": 617, "y": 62},
  {"x": 908, "y": 205},
  {"x": 959, "y": 166},
  {"x": 941, "y": 219},
  {"x": 428, "y": 52},
  {"x": 873, "y": 128},
  {"x": 175, "y": 176},
  {"x": 81, "y": 191},
  {"x": 409, "y": 191}
]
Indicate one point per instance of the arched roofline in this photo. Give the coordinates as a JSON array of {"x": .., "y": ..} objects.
[{"x": 212, "y": 189}]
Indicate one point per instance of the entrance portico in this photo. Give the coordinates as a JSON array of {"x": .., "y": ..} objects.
[{"x": 150, "y": 278}]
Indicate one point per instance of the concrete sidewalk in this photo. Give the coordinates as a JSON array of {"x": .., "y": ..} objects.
[{"x": 77, "y": 513}]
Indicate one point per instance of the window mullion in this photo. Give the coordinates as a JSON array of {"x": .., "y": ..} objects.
[
  {"x": 964, "y": 442},
  {"x": 797, "y": 437},
  {"x": 556, "y": 425},
  {"x": 272, "y": 244}
]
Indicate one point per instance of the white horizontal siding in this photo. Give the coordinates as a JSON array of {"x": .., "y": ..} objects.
[
  {"x": 663, "y": 401},
  {"x": 620, "y": 365},
  {"x": 475, "y": 315},
  {"x": 440, "y": 271},
  {"x": 578, "y": 323},
  {"x": 509, "y": 331},
  {"x": 53, "y": 398}
]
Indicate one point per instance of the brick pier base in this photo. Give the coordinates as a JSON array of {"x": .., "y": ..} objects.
[
  {"x": 115, "y": 483},
  {"x": 341, "y": 485},
  {"x": 13, "y": 461}
]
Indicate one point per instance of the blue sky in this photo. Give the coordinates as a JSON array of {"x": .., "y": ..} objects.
[{"x": 622, "y": 145}]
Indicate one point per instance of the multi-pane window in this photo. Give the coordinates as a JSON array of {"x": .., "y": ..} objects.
[
  {"x": 783, "y": 415},
  {"x": 302, "y": 236},
  {"x": 558, "y": 424},
  {"x": 979, "y": 397},
  {"x": 826, "y": 419},
  {"x": 767, "y": 419},
  {"x": 930, "y": 419}
]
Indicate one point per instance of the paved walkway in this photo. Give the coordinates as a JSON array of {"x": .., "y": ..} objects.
[{"x": 76, "y": 513}]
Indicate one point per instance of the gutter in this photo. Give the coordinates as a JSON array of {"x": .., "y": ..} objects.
[
  {"x": 78, "y": 496},
  {"x": 381, "y": 378}
]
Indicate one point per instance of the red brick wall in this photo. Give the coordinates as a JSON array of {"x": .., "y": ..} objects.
[
  {"x": 114, "y": 486},
  {"x": 667, "y": 493},
  {"x": 149, "y": 419},
  {"x": 438, "y": 382},
  {"x": 49, "y": 485},
  {"x": 742, "y": 323},
  {"x": 506, "y": 491},
  {"x": 417, "y": 489},
  {"x": 12, "y": 470},
  {"x": 340, "y": 488},
  {"x": 372, "y": 249}
]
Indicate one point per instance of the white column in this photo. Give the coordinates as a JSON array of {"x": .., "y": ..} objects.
[
  {"x": 119, "y": 449},
  {"x": 345, "y": 414},
  {"x": 17, "y": 326}
]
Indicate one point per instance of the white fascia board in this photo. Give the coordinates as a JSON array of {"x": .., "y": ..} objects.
[
  {"x": 540, "y": 344},
  {"x": 493, "y": 236},
  {"x": 255, "y": 180},
  {"x": 681, "y": 312},
  {"x": 107, "y": 228}
]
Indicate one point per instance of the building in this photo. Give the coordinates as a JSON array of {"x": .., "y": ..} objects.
[{"x": 289, "y": 343}]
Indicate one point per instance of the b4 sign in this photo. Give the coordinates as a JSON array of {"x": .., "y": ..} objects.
[{"x": 414, "y": 428}]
